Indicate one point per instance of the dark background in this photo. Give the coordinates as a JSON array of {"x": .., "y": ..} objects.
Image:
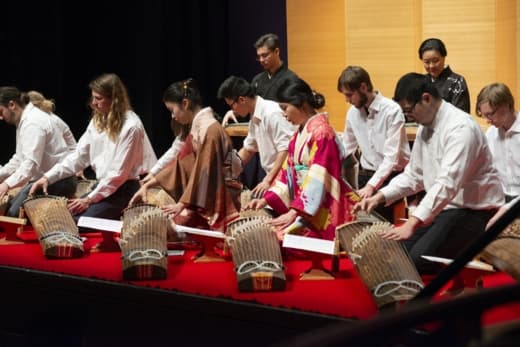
[{"x": 58, "y": 47}]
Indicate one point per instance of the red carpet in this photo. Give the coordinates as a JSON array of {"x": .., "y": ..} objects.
[{"x": 346, "y": 296}]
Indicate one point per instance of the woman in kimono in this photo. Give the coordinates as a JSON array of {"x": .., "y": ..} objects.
[
  {"x": 204, "y": 177},
  {"x": 308, "y": 194}
]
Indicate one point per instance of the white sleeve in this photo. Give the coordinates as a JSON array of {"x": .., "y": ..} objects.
[
  {"x": 128, "y": 156},
  {"x": 349, "y": 139},
  {"x": 32, "y": 140},
  {"x": 74, "y": 162},
  {"x": 168, "y": 156},
  {"x": 394, "y": 139}
]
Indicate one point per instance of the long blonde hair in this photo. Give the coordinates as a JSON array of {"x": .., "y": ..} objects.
[
  {"x": 111, "y": 86},
  {"x": 38, "y": 100}
]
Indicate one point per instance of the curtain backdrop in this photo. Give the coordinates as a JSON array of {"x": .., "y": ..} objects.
[{"x": 58, "y": 47}]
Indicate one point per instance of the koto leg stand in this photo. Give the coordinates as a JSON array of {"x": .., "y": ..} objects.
[
  {"x": 12, "y": 227},
  {"x": 208, "y": 253},
  {"x": 108, "y": 244},
  {"x": 317, "y": 270}
]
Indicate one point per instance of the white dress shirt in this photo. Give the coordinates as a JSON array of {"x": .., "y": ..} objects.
[
  {"x": 269, "y": 132},
  {"x": 381, "y": 137},
  {"x": 168, "y": 156},
  {"x": 113, "y": 162},
  {"x": 505, "y": 147},
  {"x": 452, "y": 162},
  {"x": 64, "y": 129},
  {"x": 39, "y": 146}
]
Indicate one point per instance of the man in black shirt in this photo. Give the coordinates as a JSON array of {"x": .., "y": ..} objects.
[
  {"x": 275, "y": 71},
  {"x": 266, "y": 85},
  {"x": 267, "y": 82}
]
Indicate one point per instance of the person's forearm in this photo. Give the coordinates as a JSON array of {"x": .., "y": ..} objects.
[
  {"x": 271, "y": 175},
  {"x": 245, "y": 155}
]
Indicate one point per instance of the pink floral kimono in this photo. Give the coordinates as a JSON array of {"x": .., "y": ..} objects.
[{"x": 310, "y": 182}]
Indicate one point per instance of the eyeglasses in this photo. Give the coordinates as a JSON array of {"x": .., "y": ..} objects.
[
  {"x": 410, "y": 109},
  {"x": 263, "y": 56},
  {"x": 233, "y": 103},
  {"x": 489, "y": 115}
]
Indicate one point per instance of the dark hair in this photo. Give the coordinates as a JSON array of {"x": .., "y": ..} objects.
[
  {"x": 271, "y": 41},
  {"x": 432, "y": 44},
  {"x": 178, "y": 129},
  {"x": 296, "y": 92},
  {"x": 186, "y": 89},
  {"x": 352, "y": 77},
  {"x": 11, "y": 94},
  {"x": 233, "y": 87},
  {"x": 412, "y": 86}
]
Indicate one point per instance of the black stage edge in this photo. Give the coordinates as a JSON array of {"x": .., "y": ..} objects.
[
  {"x": 42, "y": 308},
  {"x": 420, "y": 323},
  {"x": 470, "y": 252}
]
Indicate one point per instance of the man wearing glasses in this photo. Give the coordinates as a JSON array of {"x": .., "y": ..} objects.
[
  {"x": 452, "y": 162},
  {"x": 495, "y": 102},
  {"x": 265, "y": 85},
  {"x": 268, "y": 133}
]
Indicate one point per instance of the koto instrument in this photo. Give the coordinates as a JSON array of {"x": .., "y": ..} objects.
[
  {"x": 54, "y": 225},
  {"x": 384, "y": 265},
  {"x": 158, "y": 196},
  {"x": 143, "y": 243},
  {"x": 245, "y": 198},
  {"x": 504, "y": 252},
  {"x": 256, "y": 255},
  {"x": 238, "y": 225},
  {"x": 84, "y": 187},
  {"x": 5, "y": 202}
]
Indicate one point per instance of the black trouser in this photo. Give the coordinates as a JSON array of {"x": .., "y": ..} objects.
[
  {"x": 65, "y": 187},
  {"x": 385, "y": 211},
  {"x": 449, "y": 233},
  {"x": 112, "y": 206},
  {"x": 253, "y": 172}
]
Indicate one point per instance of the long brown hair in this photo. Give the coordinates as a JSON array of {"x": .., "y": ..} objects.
[{"x": 111, "y": 86}]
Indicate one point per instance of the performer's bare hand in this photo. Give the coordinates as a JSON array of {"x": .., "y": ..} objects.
[
  {"x": 81, "y": 175},
  {"x": 369, "y": 204},
  {"x": 366, "y": 192},
  {"x": 255, "y": 204},
  {"x": 147, "y": 179},
  {"x": 229, "y": 115},
  {"x": 284, "y": 220},
  {"x": 4, "y": 188},
  {"x": 139, "y": 196},
  {"x": 42, "y": 183},
  {"x": 172, "y": 210},
  {"x": 402, "y": 232},
  {"x": 77, "y": 206},
  {"x": 260, "y": 189}
]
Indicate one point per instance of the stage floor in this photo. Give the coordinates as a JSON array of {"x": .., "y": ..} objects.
[{"x": 89, "y": 297}]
